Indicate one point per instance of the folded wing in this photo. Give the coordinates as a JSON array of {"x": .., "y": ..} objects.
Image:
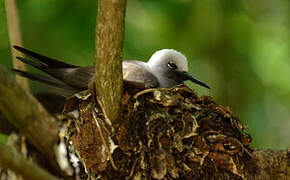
[{"x": 137, "y": 74}]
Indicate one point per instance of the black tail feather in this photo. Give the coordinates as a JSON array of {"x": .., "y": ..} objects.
[
  {"x": 32, "y": 63},
  {"x": 60, "y": 74},
  {"x": 44, "y": 79},
  {"x": 43, "y": 59},
  {"x": 40, "y": 66}
]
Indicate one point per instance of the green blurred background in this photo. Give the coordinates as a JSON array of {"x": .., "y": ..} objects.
[{"x": 239, "y": 47}]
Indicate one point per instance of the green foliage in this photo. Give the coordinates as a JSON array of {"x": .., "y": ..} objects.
[
  {"x": 240, "y": 48},
  {"x": 4, "y": 138}
]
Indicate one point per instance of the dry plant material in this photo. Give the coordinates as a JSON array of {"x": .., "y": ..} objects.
[{"x": 162, "y": 133}]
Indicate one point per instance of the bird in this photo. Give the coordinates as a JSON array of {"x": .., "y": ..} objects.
[{"x": 166, "y": 68}]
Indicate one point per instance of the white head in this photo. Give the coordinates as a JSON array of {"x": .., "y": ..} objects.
[
  {"x": 171, "y": 68},
  {"x": 166, "y": 58}
]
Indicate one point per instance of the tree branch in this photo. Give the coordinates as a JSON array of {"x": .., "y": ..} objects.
[
  {"x": 27, "y": 115},
  {"x": 108, "y": 57},
  {"x": 269, "y": 164},
  {"x": 15, "y": 39},
  {"x": 11, "y": 159}
]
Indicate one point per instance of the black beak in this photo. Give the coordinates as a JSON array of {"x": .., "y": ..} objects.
[{"x": 186, "y": 76}]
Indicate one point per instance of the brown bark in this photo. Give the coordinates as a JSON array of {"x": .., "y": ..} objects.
[
  {"x": 269, "y": 164},
  {"x": 28, "y": 116},
  {"x": 108, "y": 58},
  {"x": 13, "y": 160}
]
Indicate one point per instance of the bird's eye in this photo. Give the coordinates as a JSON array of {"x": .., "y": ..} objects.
[{"x": 171, "y": 65}]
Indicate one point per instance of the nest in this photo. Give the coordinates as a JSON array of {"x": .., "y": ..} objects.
[{"x": 161, "y": 134}]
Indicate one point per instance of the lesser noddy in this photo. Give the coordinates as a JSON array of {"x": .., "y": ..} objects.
[{"x": 166, "y": 68}]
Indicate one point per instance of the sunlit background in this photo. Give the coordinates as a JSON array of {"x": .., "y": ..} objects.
[{"x": 239, "y": 47}]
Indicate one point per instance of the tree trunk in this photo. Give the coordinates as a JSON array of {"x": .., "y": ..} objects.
[{"x": 108, "y": 59}]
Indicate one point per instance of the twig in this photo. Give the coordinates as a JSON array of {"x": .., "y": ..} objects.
[
  {"x": 11, "y": 159},
  {"x": 15, "y": 39},
  {"x": 104, "y": 141}
]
